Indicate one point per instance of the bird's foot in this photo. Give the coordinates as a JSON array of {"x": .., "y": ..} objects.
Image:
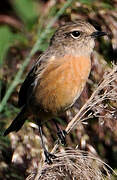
[{"x": 49, "y": 157}]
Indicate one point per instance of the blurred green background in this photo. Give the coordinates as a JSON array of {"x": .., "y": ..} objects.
[{"x": 25, "y": 29}]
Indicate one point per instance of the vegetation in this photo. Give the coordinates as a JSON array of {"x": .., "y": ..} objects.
[{"x": 26, "y": 27}]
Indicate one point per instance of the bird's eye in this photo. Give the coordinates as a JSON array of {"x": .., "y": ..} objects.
[{"x": 75, "y": 34}]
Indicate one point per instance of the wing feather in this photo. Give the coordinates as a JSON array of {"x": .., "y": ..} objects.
[{"x": 27, "y": 87}]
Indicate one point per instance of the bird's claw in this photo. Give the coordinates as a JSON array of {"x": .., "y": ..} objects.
[{"x": 49, "y": 157}]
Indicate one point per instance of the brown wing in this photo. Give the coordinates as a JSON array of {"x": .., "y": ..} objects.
[
  {"x": 30, "y": 81},
  {"x": 27, "y": 87}
]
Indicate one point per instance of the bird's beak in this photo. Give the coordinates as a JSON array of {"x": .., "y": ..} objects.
[{"x": 98, "y": 34}]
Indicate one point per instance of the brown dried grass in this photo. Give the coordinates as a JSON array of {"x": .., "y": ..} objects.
[{"x": 73, "y": 165}]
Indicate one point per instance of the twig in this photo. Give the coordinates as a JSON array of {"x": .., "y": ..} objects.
[{"x": 33, "y": 51}]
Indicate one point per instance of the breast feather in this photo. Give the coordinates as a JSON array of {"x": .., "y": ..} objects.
[{"x": 62, "y": 83}]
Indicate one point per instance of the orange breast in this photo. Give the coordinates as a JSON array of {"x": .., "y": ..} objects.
[{"x": 62, "y": 82}]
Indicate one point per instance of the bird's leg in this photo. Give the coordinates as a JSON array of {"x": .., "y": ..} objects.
[
  {"x": 48, "y": 156},
  {"x": 61, "y": 133}
]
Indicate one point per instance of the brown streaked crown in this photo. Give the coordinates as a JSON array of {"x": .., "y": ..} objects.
[
  {"x": 74, "y": 35},
  {"x": 64, "y": 31}
]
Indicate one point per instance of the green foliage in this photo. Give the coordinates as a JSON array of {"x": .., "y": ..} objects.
[
  {"x": 6, "y": 39},
  {"x": 26, "y": 10},
  {"x": 60, "y": 121},
  {"x": 87, "y": 1},
  {"x": 107, "y": 5},
  {"x": 20, "y": 38},
  {"x": 45, "y": 41},
  {"x": 4, "y": 141}
]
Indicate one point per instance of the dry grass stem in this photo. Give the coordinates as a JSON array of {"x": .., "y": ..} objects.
[{"x": 73, "y": 165}]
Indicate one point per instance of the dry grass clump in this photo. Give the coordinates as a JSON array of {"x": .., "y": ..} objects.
[{"x": 73, "y": 165}]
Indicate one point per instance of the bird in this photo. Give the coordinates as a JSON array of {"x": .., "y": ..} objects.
[{"x": 57, "y": 78}]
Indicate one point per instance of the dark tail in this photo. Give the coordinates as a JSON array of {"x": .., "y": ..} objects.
[{"x": 17, "y": 122}]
